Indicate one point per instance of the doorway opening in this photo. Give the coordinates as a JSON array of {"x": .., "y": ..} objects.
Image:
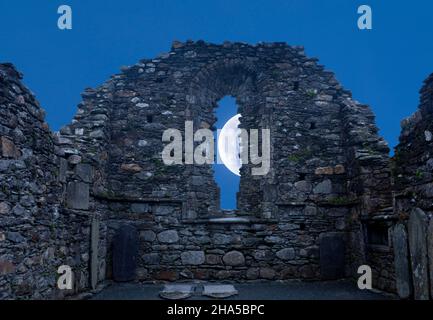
[{"x": 226, "y": 168}]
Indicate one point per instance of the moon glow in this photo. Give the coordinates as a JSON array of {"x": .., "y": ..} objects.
[{"x": 229, "y": 145}]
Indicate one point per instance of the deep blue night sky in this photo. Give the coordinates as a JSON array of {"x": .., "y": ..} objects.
[{"x": 383, "y": 67}]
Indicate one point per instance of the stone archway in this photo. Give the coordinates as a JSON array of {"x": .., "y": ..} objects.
[{"x": 237, "y": 78}]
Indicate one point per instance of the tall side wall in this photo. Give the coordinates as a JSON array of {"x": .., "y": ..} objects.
[
  {"x": 38, "y": 233},
  {"x": 413, "y": 175}
]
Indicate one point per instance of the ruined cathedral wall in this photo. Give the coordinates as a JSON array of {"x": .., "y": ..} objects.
[
  {"x": 413, "y": 185},
  {"x": 323, "y": 148},
  {"x": 309, "y": 162},
  {"x": 39, "y": 232},
  {"x": 369, "y": 192},
  {"x": 329, "y": 177}
]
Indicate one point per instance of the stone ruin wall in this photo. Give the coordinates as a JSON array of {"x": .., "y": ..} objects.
[
  {"x": 330, "y": 175},
  {"x": 413, "y": 180},
  {"x": 37, "y": 231},
  {"x": 304, "y": 197}
]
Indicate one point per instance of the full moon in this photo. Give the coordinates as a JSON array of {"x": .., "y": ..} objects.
[{"x": 229, "y": 145}]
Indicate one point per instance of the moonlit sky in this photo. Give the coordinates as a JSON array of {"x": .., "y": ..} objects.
[
  {"x": 383, "y": 67},
  {"x": 226, "y": 180}
]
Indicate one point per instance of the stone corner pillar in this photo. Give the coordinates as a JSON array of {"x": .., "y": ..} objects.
[
  {"x": 417, "y": 230},
  {"x": 401, "y": 261}
]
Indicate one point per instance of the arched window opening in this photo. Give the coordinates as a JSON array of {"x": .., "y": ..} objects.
[{"x": 226, "y": 168}]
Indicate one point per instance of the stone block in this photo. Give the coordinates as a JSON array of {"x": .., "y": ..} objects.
[
  {"x": 267, "y": 273},
  {"x": 151, "y": 258},
  {"x": 417, "y": 233},
  {"x": 193, "y": 257},
  {"x": 339, "y": 169},
  {"x": 84, "y": 172},
  {"x": 234, "y": 258},
  {"x": 94, "y": 249},
  {"x": 8, "y": 148},
  {"x": 310, "y": 211},
  {"x": 177, "y": 291},
  {"x": 220, "y": 238},
  {"x": 74, "y": 159},
  {"x": 4, "y": 208},
  {"x": 6, "y": 267},
  {"x": 148, "y": 235},
  {"x": 167, "y": 275},
  {"x": 324, "y": 171},
  {"x": 303, "y": 186},
  {"x": 78, "y": 196},
  {"x": 219, "y": 291},
  {"x": 140, "y": 208},
  {"x": 63, "y": 168},
  {"x": 324, "y": 187},
  {"x": 163, "y": 210},
  {"x": 263, "y": 255},
  {"x": 286, "y": 254},
  {"x": 213, "y": 259},
  {"x": 15, "y": 237},
  {"x": 401, "y": 261},
  {"x": 169, "y": 236},
  {"x": 131, "y": 167},
  {"x": 253, "y": 273}
]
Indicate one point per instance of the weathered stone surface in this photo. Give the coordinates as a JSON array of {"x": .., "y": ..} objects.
[
  {"x": 167, "y": 275},
  {"x": 177, "y": 291},
  {"x": 213, "y": 259},
  {"x": 417, "y": 233},
  {"x": 253, "y": 273},
  {"x": 234, "y": 258},
  {"x": 148, "y": 235},
  {"x": 8, "y": 148},
  {"x": 63, "y": 170},
  {"x": 303, "y": 186},
  {"x": 84, "y": 172},
  {"x": 4, "y": 208},
  {"x": 286, "y": 254},
  {"x": 324, "y": 171},
  {"x": 151, "y": 258},
  {"x": 94, "y": 250},
  {"x": 163, "y": 210},
  {"x": 315, "y": 123},
  {"x": 140, "y": 208},
  {"x": 74, "y": 159},
  {"x": 15, "y": 237},
  {"x": 430, "y": 254},
  {"x": 142, "y": 274},
  {"x": 402, "y": 269},
  {"x": 78, "y": 195},
  {"x": 169, "y": 236},
  {"x": 263, "y": 255},
  {"x": 221, "y": 239},
  {"x": 6, "y": 267},
  {"x": 39, "y": 230},
  {"x": 219, "y": 291},
  {"x": 267, "y": 273},
  {"x": 324, "y": 187},
  {"x": 339, "y": 169},
  {"x": 131, "y": 167},
  {"x": 193, "y": 257}
]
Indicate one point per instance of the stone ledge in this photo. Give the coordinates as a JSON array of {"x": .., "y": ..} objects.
[
  {"x": 229, "y": 220},
  {"x": 137, "y": 200}
]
